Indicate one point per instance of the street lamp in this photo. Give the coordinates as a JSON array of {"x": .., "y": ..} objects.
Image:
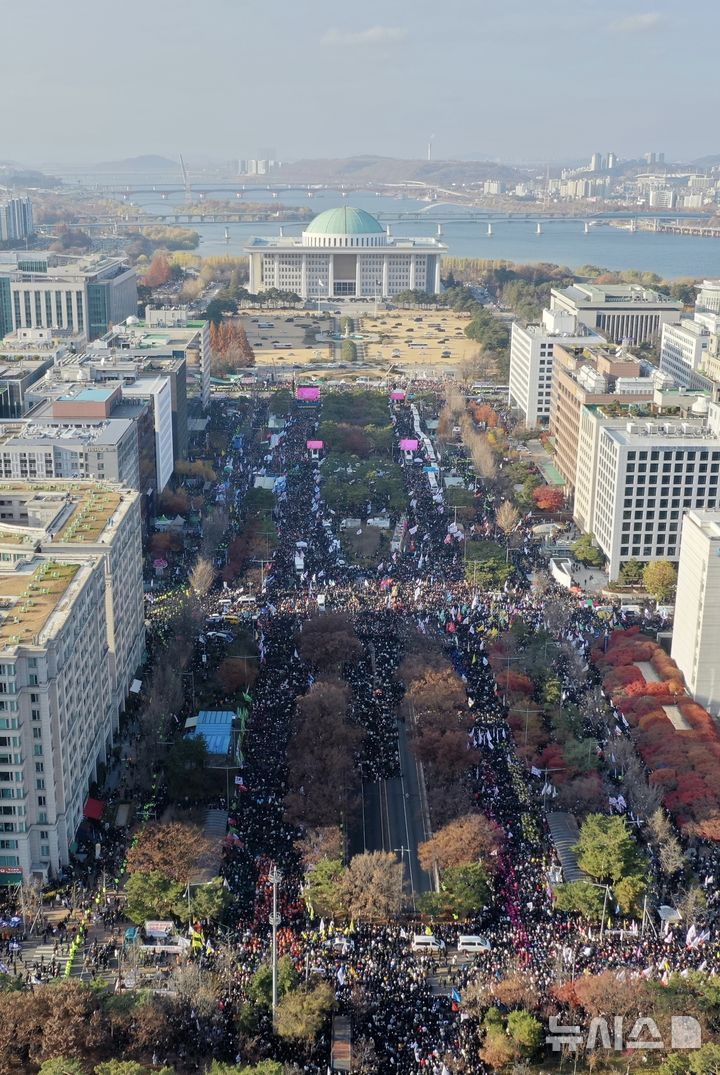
[{"x": 274, "y": 877}]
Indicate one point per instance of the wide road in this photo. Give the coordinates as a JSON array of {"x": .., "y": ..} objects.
[{"x": 392, "y": 818}]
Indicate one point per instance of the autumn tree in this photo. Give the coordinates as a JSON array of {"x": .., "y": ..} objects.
[
  {"x": 322, "y": 773},
  {"x": 660, "y": 579},
  {"x": 328, "y": 641},
  {"x": 319, "y": 842},
  {"x": 471, "y": 838},
  {"x": 324, "y": 891},
  {"x": 373, "y": 887},
  {"x": 173, "y": 848},
  {"x": 158, "y": 273},
  {"x": 548, "y": 498}
]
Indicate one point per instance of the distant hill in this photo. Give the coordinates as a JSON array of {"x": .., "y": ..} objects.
[
  {"x": 707, "y": 162},
  {"x": 147, "y": 163},
  {"x": 369, "y": 169}
]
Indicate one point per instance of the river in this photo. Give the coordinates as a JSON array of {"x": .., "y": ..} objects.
[{"x": 562, "y": 242}]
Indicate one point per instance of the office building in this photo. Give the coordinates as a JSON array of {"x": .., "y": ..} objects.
[
  {"x": 581, "y": 377},
  {"x": 708, "y": 297},
  {"x": 16, "y": 219},
  {"x": 71, "y": 640},
  {"x": 531, "y": 360},
  {"x": 80, "y": 296},
  {"x": 621, "y": 312},
  {"x": 169, "y": 343},
  {"x": 696, "y": 626},
  {"x": 648, "y": 475},
  {"x": 345, "y": 253},
  {"x": 683, "y": 351}
]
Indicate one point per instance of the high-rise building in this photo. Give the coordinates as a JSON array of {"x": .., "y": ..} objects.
[
  {"x": 621, "y": 312},
  {"x": 596, "y": 162},
  {"x": 696, "y": 627},
  {"x": 16, "y": 219},
  {"x": 648, "y": 474},
  {"x": 582, "y": 377},
  {"x": 71, "y": 640},
  {"x": 683, "y": 350},
  {"x": 531, "y": 360},
  {"x": 80, "y": 296}
]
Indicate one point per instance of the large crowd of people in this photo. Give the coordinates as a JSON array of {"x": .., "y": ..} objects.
[{"x": 390, "y": 992}]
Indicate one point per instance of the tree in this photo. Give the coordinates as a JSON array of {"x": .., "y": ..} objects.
[
  {"x": 151, "y": 895},
  {"x": 581, "y": 898},
  {"x": 63, "y": 1065},
  {"x": 301, "y": 1014},
  {"x": 507, "y": 517},
  {"x": 186, "y": 769},
  {"x": 208, "y": 902},
  {"x": 497, "y": 1051},
  {"x": 328, "y": 641},
  {"x": 463, "y": 891},
  {"x": 158, "y": 273},
  {"x": 373, "y": 886},
  {"x": 216, "y": 308},
  {"x": 172, "y": 849},
  {"x": 316, "y": 844},
  {"x": 631, "y": 572},
  {"x": 525, "y": 1030},
  {"x": 122, "y": 1067},
  {"x": 585, "y": 552},
  {"x": 202, "y": 576},
  {"x": 548, "y": 497},
  {"x": 468, "y": 839},
  {"x": 324, "y": 891},
  {"x": 660, "y": 579},
  {"x": 606, "y": 848},
  {"x": 260, "y": 987}
]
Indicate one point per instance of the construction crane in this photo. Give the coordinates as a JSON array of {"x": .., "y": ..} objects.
[{"x": 186, "y": 181}]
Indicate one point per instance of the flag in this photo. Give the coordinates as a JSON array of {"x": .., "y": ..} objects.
[{"x": 456, "y": 996}]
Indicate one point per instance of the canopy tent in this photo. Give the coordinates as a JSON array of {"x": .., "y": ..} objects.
[{"x": 93, "y": 809}]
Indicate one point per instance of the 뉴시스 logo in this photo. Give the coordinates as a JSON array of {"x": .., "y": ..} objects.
[{"x": 685, "y": 1033}]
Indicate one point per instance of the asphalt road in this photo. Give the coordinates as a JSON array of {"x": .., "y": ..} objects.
[{"x": 392, "y": 819}]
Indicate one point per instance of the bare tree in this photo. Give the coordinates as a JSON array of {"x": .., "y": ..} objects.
[
  {"x": 483, "y": 458},
  {"x": 507, "y": 517},
  {"x": 202, "y": 576},
  {"x": 214, "y": 527},
  {"x": 373, "y": 886}
]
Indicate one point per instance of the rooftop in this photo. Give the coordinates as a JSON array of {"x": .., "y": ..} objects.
[
  {"x": 68, "y": 512},
  {"x": 344, "y": 220},
  {"x": 28, "y": 597},
  {"x": 592, "y": 294}
]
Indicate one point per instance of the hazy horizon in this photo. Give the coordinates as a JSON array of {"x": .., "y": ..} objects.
[{"x": 515, "y": 83}]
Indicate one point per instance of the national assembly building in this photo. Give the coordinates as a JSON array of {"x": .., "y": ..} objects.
[{"x": 345, "y": 253}]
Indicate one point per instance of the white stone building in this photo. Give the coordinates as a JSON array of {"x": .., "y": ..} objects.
[
  {"x": 620, "y": 311},
  {"x": 648, "y": 473},
  {"x": 531, "y": 360},
  {"x": 345, "y": 253},
  {"x": 696, "y": 627}
]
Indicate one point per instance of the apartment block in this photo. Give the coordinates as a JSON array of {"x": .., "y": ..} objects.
[{"x": 71, "y": 639}]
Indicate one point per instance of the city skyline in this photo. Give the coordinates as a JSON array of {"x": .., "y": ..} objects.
[{"x": 464, "y": 76}]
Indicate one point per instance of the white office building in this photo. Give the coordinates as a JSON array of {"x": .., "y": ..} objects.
[
  {"x": 619, "y": 311},
  {"x": 696, "y": 628},
  {"x": 345, "y": 253},
  {"x": 78, "y": 296},
  {"x": 648, "y": 473},
  {"x": 683, "y": 349},
  {"x": 531, "y": 360},
  {"x": 71, "y": 639}
]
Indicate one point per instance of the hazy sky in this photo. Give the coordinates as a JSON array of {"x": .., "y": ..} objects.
[{"x": 511, "y": 79}]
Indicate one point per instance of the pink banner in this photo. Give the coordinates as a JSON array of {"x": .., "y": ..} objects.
[
  {"x": 308, "y": 393},
  {"x": 397, "y": 395},
  {"x": 315, "y": 445},
  {"x": 408, "y": 445}
]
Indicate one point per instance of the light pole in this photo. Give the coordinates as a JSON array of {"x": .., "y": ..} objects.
[{"x": 274, "y": 877}]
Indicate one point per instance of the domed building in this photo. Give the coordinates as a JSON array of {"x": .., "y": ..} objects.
[{"x": 345, "y": 253}]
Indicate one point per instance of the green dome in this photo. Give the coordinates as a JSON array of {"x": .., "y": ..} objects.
[{"x": 344, "y": 221}]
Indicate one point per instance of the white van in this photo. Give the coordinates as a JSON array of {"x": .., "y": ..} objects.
[
  {"x": 473, "y": 943},
  {"x": 426, "y": 942}
]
